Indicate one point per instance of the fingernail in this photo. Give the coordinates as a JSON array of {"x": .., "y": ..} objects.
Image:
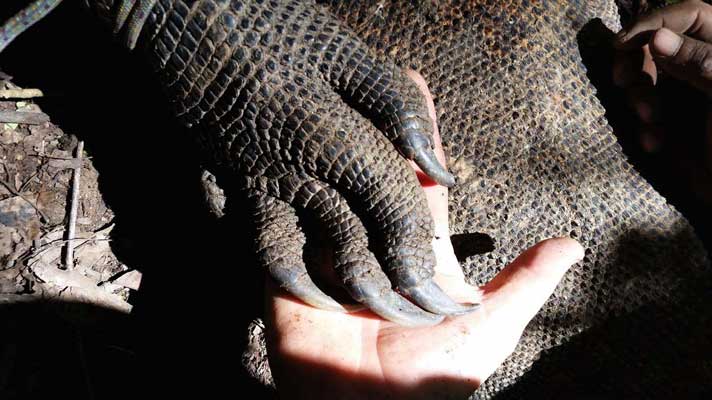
[{"x": 666, "y": 43}]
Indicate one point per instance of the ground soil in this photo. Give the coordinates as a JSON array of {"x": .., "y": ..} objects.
[{"x": 88, "y": 305}]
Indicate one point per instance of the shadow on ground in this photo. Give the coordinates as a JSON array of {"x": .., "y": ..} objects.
[{"x": 188, "y": 327}]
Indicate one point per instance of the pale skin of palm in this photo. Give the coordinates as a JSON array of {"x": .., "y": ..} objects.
[{"x": 321, "y": 354}]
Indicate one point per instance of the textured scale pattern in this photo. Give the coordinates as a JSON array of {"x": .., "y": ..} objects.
[
  {"x": 302, "y": 100},
  {"x": 535, "y": 157},
  {"x": 286, "y": 97}
]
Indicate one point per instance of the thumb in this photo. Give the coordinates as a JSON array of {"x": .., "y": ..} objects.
[
  {"x": 683, "y": 57},
  {"x": 517, "y": 293}
]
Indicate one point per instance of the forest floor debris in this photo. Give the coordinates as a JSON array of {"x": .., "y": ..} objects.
[{"x": 40, "y": 259}]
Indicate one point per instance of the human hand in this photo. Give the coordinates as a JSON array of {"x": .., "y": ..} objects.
[
  {"x": 677, "y": 39},
  {"x": 321, "y": 354}
]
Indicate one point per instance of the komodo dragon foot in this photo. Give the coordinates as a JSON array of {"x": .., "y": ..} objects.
[{"x": 305, "y": 117}]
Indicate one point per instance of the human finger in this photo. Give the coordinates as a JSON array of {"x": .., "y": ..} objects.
[
  {"x": 693, "y": 18},
  {"x": 517, "y": 293},
  {"x": 684, "y": 58}
]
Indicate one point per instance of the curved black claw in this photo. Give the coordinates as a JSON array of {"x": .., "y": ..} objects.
[
  {"x": 394, "y": 307},
  {"x": 429, "y": 296},
  {"x": 426, "y": 160},
  {"x": 357, "y": 267},
  {"x": 298, "y": 283},
  {"x": 386, "y": 95},
  {"x": 416, "y": 145},
  {"x": 280, "y": 241}
]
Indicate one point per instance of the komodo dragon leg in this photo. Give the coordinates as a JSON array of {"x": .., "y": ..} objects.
[{"x": 296, "y": 105}]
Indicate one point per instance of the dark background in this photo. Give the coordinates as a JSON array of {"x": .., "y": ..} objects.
[{"x": 200, "y": 287}]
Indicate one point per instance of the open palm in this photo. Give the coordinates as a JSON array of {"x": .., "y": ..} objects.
[{"x": 322, "y": 354}]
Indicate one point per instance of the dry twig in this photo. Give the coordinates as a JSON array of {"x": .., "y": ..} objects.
[
  {"x": 20, "y": 93},
  {"x": 74, "y": 205}
]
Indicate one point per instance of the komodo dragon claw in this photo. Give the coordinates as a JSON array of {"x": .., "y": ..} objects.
[
  {"x": 279, "y": 250},
  {"x": 305, "y": 116}
]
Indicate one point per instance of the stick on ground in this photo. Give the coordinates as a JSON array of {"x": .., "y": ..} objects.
[
  {"x": 20, "y": 93},
  {"x": 74, "y": 205}
]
